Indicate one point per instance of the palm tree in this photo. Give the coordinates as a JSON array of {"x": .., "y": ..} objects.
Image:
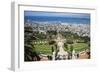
[
  {"x": 27, "y": 41},
  {"x": 29, "y": 49},
  {"x": 28, "y": 53}
]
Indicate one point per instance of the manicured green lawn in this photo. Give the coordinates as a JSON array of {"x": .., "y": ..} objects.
[
  {"x": 43, "y": 48},
  {"x": 79, "y": 46},
  {"x": 46, "y": 48}
]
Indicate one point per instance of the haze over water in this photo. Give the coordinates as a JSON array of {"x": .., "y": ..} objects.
[{"x": 72, "y": 18}]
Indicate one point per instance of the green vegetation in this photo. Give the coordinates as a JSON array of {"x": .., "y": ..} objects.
[
  {"x": 77, "y": 47},
  {"x": 32, "y": 50},
  {"x": 43, "y": 49},
  {"x": 80, "y": 46},
  {"x": 47, "y": 49},
  {"x": 29, "y": 50}
]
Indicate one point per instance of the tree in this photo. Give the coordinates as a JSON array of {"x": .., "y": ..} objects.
[
  {"x": 86, "y": 39},
  {"x": 70, "y": 51},
  {"x": 70, "y": 41},
  {"x": 71, "y": 48},
  {"x": 29, "y": 50},
  {"x": 66, "y": 46},
  {"x": 52, "y": 43}
]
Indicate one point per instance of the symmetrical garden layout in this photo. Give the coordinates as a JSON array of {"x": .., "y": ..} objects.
[{"x": 56, "y": 36}]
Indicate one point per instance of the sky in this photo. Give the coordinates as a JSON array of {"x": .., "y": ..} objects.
[{"x": 57, "y": 16}]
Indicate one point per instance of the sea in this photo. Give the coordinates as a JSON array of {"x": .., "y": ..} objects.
[{"x": 71, "y": 20}]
